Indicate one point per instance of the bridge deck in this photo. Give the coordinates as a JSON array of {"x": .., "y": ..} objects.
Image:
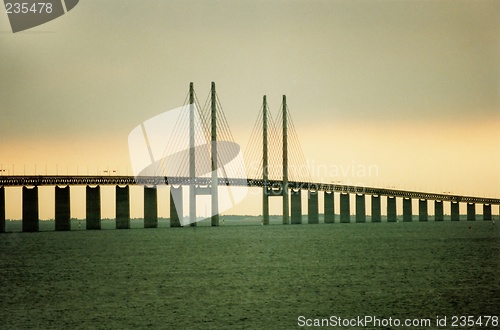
[{"x": 61, "y": 180}]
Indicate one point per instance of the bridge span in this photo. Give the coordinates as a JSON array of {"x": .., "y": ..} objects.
[
  {"x": 62, "y": 183},
  {"x": 270, "y": 138}
]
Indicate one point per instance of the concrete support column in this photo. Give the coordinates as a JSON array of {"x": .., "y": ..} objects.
[
  {"x": 438, "y": 211},
  {"x": 407, "y": 214},
  {"x": 360, "y": 208},
  {"x": 296, "y": 206},
  {"x": 286, "y": 205},
  {"x": 391, "y": 209},
  {"x": 455, "y": 211},
  {"x": 176, "y": 213},
  {"x": 345, "y": 216},
  {"x": 329, "y": 210},
  {"x": 265, "y": 166},
  {"x": 423, "y": 214},
  {"x": 471, "y": 212},
  {"x": 265, "y": 205},
  {"x": 30, "y": 209},
  {"x": 63, "y": 210},
  {"x": 284, "y": 139},
  {"x": 93, "y": 196},
  {"x": 150, "y": 207},
  {"x": 2, "y": 209},
  {"x": 192, "y": 156},
  {"x": 312, "y": 207},
  {"x": 486, "y": 211},
  {"x": 214, "y": 161},
  {"x": 122, "y": 207},
  {"x": 376, "y": 213}
]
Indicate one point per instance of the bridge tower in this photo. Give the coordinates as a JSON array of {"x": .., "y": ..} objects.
[
  {"x": 267, "y": 190},
  {"x": 284, "y": 189},
  {"x": 192, "y": 160},
  {"x": 265, "y": 165},
  {"x": 194, "y": 189},
  {"x": 215, "y": 183}
]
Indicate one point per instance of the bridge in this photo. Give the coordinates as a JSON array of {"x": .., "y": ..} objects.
[{"x": 274, "y": 182}]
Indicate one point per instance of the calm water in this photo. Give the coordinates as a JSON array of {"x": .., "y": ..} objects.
[{"x": 252, "y": 276}]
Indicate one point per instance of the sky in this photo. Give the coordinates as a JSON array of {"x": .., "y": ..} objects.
[{"x": 408, "y": 89}]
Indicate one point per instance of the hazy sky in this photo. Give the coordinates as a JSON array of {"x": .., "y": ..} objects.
[{"x": 408, "y": 87}]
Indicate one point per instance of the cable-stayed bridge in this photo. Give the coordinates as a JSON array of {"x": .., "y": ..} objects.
[{"x": 200, "y": 155}]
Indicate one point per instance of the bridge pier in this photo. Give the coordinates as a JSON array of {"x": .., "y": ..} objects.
[
  {"x": 2, "y": 209},
  {"x": 122, "y": 207},
  {"x": 455, "y": 211},
  {"x": 30, "y": 209},
  {"x": 176, "y": 214},
  {"x": 286, "y": 206},
  {"x": 150, "y": 207},
  {"x": 265, "y": 205},
  {"x": 471, "y": 212},
  {"x": 62, "y": 208},
  {"x": 312, "y": 207},
  {"x": 486, "y": 211},
  {"x": 93, "y": 196},
  {"x": 329, "y": 209},
  {"x": 345, "y": 216},
  {"x": 438, "y": 211},
  {"x": 423, "y": 214},
  {"x": 360, "y": 208},
  {"x": 376, "y": 214},
  {"x": 391, "y": 209},
  {"x": 296, "y": 206},
  {"x": 407, "y": 214}
]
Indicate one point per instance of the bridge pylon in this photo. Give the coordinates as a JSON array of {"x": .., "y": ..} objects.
[
  {"x": 215, "y": 183},
  {"x": 210, "y": 130},
  {"x": 267, "y": 190},
  {"x": 265, "y": 165},
  {"x": 192, "y": 160},
  {"x": 286, "y": 218}
]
